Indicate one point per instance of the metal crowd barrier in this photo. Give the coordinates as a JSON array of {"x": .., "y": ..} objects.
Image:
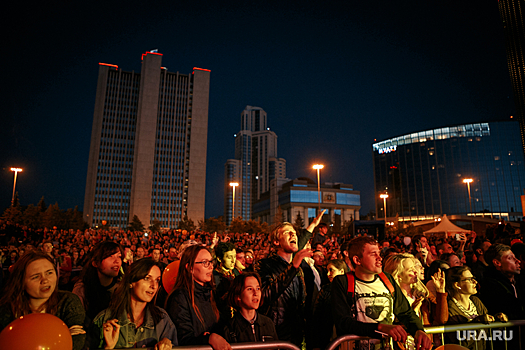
[
  {"x": 239, "y": 346},
  {"x": 465, "y": 328},
  {"x": 453, "y": 328}
]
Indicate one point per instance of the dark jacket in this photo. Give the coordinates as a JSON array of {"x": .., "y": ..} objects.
[
  {"x": 456, "y": 316},
  {"x": 346, "y": 323},
  {"x": 497, "y": 293},
  {"x": 322, "y": 320},
  {"x": 190, "y": 330},
  {"x": 239, "y": 330},
  {"x": 283, "y": 294}
]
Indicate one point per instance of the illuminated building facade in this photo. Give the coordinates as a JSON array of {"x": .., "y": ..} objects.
[
  {"x": 300, "y": 196},
  {"x": 254, "y": 166},
  {"x": 141, "y": 159},
  {"x": 512, "y": 17},
  {"x": 423, "y": 172}
]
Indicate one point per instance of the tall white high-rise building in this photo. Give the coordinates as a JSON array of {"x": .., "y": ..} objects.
[
  {"x": 148, "y": 145},
  {"x": 255, "y": 164}
]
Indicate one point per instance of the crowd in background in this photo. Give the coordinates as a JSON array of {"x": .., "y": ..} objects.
[{"x": 418, "y": 264}]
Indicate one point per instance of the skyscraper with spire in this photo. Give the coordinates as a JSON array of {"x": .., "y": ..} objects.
[{"x": 255, "y": 164}]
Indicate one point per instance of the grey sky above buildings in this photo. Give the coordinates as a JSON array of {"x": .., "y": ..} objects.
[{"x": 332, "y": 76}]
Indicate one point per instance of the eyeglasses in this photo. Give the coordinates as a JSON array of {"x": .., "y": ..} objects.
[
  {"x": 206, "y": 263},
  {"x": 470, "y": 279}
]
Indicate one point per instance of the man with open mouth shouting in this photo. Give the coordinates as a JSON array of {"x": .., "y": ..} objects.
[{"x": 283, "y": 289}]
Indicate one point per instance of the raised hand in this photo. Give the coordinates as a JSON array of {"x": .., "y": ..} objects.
[
  {"x": 111, "y": 330},
  {"x": 306, "y": 252},
  {"x": 439, "y": 281}
]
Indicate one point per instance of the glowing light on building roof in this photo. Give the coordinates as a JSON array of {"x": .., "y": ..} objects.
[{"x": 107, "y": 64}]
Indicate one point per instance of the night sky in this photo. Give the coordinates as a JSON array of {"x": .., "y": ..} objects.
[{"x": 332, "y": 76}]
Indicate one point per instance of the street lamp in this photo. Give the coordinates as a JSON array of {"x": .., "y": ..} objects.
[
  {"x": 233, "y": 184},
  {"x": 16, "y": 170},
  {"x": 384, "y": 196},
  {"x": 468, "y": 181},
  {"x": 318, "y": 167}
]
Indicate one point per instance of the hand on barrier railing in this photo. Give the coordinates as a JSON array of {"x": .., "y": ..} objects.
[
  {"x": 423, "y": 341},
  {"x": 164, "y": 344},
  {"x": 219, "y": 343},
  {"x": 396, "y": 332},
  {"x": 501, "y": 317},
  {"x": 485, "y": 319}
]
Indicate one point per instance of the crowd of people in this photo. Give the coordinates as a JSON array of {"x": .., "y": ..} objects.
[{"x": 122, "y": 289}]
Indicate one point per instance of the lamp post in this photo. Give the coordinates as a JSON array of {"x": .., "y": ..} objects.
[
  {"x": 233, "y": 184},
  {"x": 384, "y": 196},
  {"x": 318, "y": 167},
  {"x": 468, "y": 181},
  {"x": 16, "y": 170}
]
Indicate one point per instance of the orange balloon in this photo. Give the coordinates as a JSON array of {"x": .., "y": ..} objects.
[
  {"x": 170, "y": 275},
  {"x": 104, "y": 222},
  {"x": 35, "y": 332}
]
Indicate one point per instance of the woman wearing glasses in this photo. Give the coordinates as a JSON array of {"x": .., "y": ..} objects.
[
  {"x": 192, "y": 305},
  {"x": 464, "y": 307}
]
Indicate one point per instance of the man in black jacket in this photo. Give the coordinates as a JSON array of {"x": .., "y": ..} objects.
[
  {"x": 283, "y": 289},
  {"x": 499, "y": 290},
  {"x": 368, "y": 306}
]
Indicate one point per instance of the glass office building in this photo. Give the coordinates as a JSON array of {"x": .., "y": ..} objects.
[{"x": 423, "y": 172}]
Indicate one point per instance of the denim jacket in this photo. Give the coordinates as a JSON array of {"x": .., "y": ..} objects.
[{"x": 147, "y": 335}]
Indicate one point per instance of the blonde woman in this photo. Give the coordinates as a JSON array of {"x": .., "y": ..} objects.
[{"x": 432, "y": 310}]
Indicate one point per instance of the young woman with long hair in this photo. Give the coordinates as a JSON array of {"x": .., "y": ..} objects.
[
  {"x": 192, "y": 305},
  {"x": 33, "y": 288},
  {"x": 432, "y": 310},
  {"x": 132, "y": 319},
  {"x": 99, "y": 278}
]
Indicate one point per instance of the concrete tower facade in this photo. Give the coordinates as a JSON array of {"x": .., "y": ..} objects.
[{"x": 141, "y": 159}]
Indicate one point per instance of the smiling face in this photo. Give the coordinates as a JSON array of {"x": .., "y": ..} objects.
[
  {"x": 228, "y": 260},
  {"x": 40, "y": 279},
  {"x": 145, "y": 289},
  {"x": 201, "y": 273},
  {"x": 408, "y": 274},
  {"x": 287, "y": 239},
  {"x": 250, "y": 297},
  {"x": 110, "y": 266}
]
